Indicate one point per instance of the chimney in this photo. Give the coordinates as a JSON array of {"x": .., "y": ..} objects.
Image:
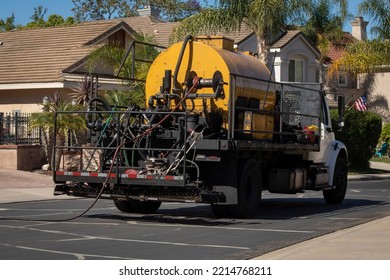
[
  {"x": 149, "y": 10},
  {"x": 359, "y": 30}
]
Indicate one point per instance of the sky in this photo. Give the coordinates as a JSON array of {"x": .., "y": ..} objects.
[{"x": 23, "y": 9}]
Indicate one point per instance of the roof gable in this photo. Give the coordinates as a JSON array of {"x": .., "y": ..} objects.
[{"x": 291, "y": 35}]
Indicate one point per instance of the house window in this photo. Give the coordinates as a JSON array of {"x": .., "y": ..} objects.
[
  {"x": 343, "y": 79},
  {"x": 295, "y": 70}
]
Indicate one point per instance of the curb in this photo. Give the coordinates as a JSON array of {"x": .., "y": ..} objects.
[{"x": 368, "y": 177}]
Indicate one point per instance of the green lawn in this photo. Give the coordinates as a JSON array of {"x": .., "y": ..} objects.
[
  {"x": 386, "y": 160},
  {"x": 371, "y": 170}
]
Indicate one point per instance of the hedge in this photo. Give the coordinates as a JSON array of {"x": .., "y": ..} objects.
[{"x": 360, "y": 134}]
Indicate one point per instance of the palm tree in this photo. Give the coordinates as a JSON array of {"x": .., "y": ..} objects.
[
  {"x": 264, "y": 17},
  {"x": 378, "y": 12},
  {"x": 117, "y": 98},
  {"x": 82, "y": 91},
  {"x": 111, "y": 56},
  {"x": 64, "y": 123},
  {"x": 322, "y": 26}
]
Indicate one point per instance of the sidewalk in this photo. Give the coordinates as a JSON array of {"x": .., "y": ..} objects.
[
  {"x": 18, "y": 186},
  {"x": 369, "y": 241}
]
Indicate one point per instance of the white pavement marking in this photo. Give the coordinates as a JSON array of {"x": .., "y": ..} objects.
[
  {"x": 356, "y": 191},
  {"x": 77, "y": 255},
  {"x": 219, "y": 227},
  {"x": 334, "y": 218},
  {"x": 130, "y": 240}
]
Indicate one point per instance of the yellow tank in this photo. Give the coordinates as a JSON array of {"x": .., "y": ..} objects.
[{"x": 208, "y": 57}]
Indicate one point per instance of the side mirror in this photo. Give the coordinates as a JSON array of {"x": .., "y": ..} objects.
[{"x": 340, "y": 109}]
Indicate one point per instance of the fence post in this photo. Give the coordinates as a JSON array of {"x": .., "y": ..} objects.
[
  {"x": 1, "y": 128},
  {"x": 16, "y": 123}
]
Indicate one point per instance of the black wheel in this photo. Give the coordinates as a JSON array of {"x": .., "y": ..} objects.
[
  {"x": 221, "y": 211},
  {"x": 137, "y": 206},
  {"x": 337, "y": 194},
  {"x": 248, "y": 191},
  {"x": 124, "y": 206}
]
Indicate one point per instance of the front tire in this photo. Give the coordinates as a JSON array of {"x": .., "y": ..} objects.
[{"x": 340, "y": 181}]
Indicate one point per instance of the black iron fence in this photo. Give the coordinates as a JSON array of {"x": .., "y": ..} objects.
[{"x": 15, "y": 129}]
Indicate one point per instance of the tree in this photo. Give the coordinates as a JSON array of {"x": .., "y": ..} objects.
[
  {"x": 385, "y": 134},
  {"x": 360, "y": 134},
  {"x": 37, "y": 18},
  {"x": 64, "y": 123},
  {"x": 265, "y": 18},
  {"x": 55, "y": 20},
  {"x": 111, "y": 57},
  {"x": 378, "y": 12},
  {"x": 8, "y": 24},
  {"x": 171, "y": 10},
  {"x": 100, "y": 9},
  {"x": 118, "y": 98},
  {"x": 176, "y": 10},
  {"x": 322, "y": 26},
  {"x": 364, "y": 57}
]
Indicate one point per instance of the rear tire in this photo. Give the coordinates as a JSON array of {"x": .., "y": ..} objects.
[
  {"x": 221, "y": 211},
  {"x": 124, "y": 206},
  {"x": 248, "y": 191},
  {"x": 337, "y": 194},
  {"x": 137, "y": 206}
]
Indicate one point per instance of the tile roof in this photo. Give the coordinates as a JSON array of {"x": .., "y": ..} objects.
[
  {"x": 237, "y": 36},
  {"x": 285, "y": 38},
  {"x": 161, "y": 30},
  {"x": 40, "y": 55},
  {"x": 336, "y": 48}
]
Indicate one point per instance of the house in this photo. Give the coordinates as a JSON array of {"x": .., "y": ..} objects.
[
  {"x": 38, "y": 62},
  {"x": 343, "y": 82},
  {"x": 292, "y": 57},
  {"x": 353, "y": 86}
]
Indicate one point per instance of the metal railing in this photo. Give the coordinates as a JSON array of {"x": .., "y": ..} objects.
[{"x": 15, "y": 129}]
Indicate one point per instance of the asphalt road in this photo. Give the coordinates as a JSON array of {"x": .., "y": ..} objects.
[{"x": 180, "y": 231}]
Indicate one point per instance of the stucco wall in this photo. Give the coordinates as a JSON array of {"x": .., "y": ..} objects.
[
  {"x": 21, "y": 157},
  {"x": 381, "y": 85},
  {"x": 26, "y": 100},
  {"x": 297, "y": 49}
]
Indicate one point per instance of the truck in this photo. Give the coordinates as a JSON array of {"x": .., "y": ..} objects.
[{"x": 216, "y": 129}]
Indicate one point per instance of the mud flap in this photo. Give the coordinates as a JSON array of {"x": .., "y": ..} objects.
[{"x": 229, "y": 192}]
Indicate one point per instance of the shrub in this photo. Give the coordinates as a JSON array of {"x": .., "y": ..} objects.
[
  {"x": 360, "y": 134},
  {"x": 385, "y": 132}
]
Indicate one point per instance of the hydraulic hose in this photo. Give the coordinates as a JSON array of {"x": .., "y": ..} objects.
[
  {"x": 104, "y": 185},
  {"x": 89, "y": 122},
  {"x": 179, "y": 59}
]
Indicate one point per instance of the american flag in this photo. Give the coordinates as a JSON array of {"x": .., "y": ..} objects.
[{"x": 361, "y": 103}]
